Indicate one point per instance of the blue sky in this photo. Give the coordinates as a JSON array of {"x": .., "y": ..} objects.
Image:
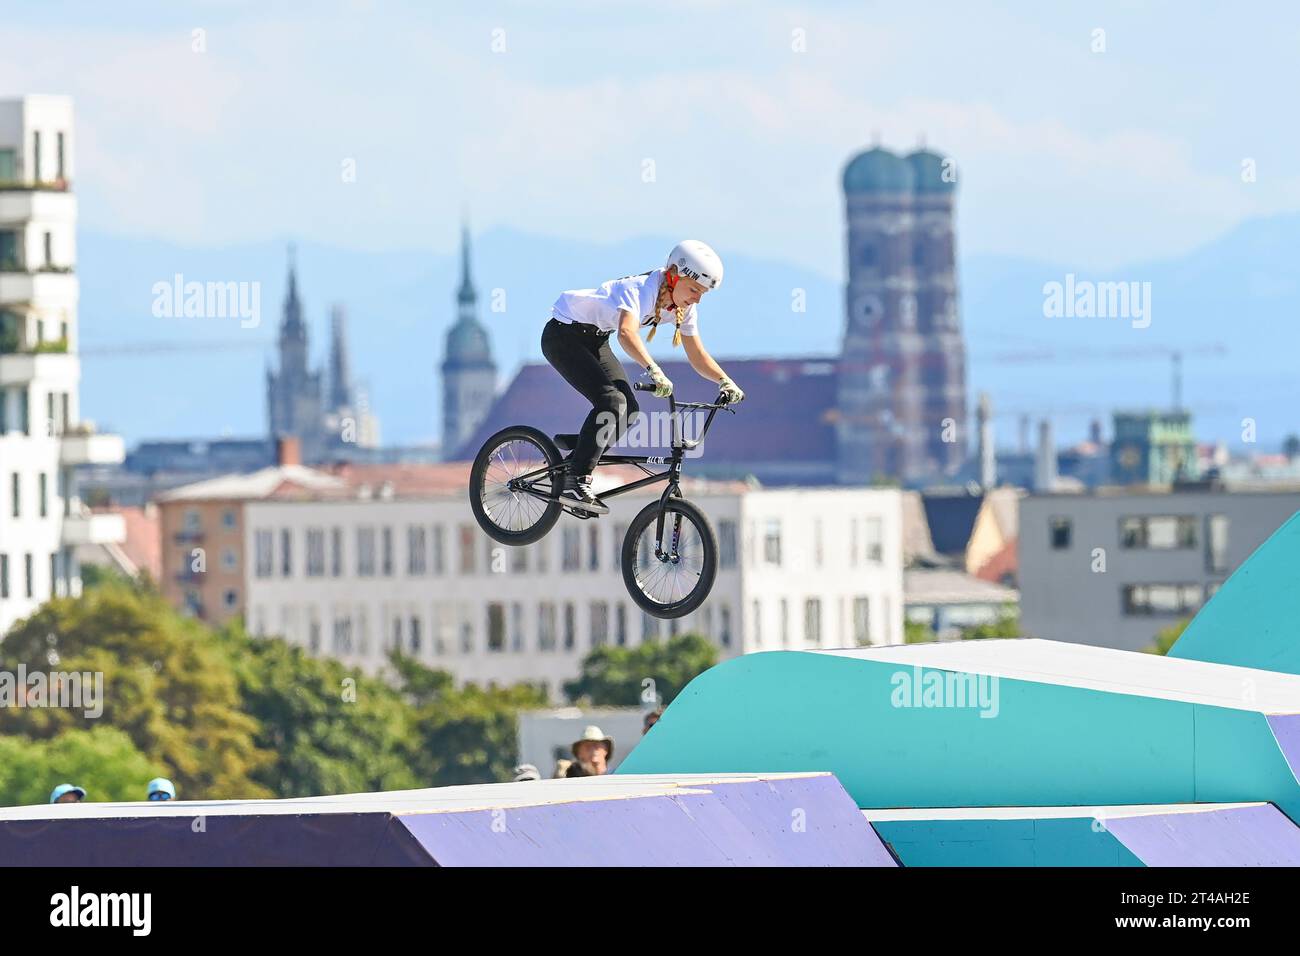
[{"x": 1091, "y": 159}]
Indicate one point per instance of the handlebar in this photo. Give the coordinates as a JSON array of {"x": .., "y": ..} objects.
[{"x": 649, "y": 387}]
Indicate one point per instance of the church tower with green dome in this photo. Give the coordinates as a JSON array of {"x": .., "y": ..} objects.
[
  {"x": 469, "y": 376},
  {"x": 902, "y": 390}
]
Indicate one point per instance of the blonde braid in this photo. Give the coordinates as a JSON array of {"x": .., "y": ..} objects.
[{"x": 678, "y": 312}]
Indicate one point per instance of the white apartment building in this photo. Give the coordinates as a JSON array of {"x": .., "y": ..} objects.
[
  {"x": 352, "y": 578},
  {"x": 42, "y": 435},
  {"x": 1114, "y": 567}
]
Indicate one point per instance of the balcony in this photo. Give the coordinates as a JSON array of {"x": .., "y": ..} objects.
[
  {"x": 86, "y": 448},
  {"x": 60, "y": 371},
  {"x": 53, "y": 288},
  {"x": 93, "y": 528},
  {"x": 22, "y": 205}
]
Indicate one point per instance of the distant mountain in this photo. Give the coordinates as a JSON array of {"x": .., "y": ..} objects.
[{"x": 1240, "y": 292}]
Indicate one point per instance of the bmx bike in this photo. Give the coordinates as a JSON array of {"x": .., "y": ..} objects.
[{"x": 670, "y": 553}]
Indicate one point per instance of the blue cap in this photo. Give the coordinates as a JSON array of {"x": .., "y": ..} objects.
[
  {"x": 63, "y": 788},
  {"x": 161, "y": 785}
]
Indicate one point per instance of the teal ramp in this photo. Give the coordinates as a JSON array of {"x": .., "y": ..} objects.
[
  {"x": 990, "y": 724},
  {"x": 1243, "y": 834},
  {"x": 1254, "y": 618}
]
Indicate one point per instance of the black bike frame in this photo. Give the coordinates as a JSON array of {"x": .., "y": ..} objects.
[{"x": 680, "y": 446}]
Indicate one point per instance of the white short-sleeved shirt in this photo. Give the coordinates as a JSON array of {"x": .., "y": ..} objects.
[{"x": 600, "y": 307}]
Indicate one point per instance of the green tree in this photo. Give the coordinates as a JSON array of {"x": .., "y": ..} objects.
[
  {"x": 102, "y": 760},
  {"x": 167, "y": 684},
  {"x": 1007, "y": 624},
  {"x": 333, "y": 729},
  {"x": 613, "y": 676},
  {"x": 1167, "y": 636},
  {"x": 917, "y": 632},
  {"x": 464, "y": 734}
]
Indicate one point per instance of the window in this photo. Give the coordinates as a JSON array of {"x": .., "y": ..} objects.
[
  {"x": 593, "y": 547},
  {"x": 543, "y": 555},
  {"x": 466, "y": 549},
  {"x": 336, "y": 552},
  {"x": 726, "y": 544},
  {"x": 286, "y": 552},
  {"x": 386, "y": 539},
  {"x": 874, "y": 541},
  {"x": 58, "y": 157},
  {"x": 417, "y": 558},
  {"x": 15, "y": 488},
  {"x": 193, "y": 520},
  {"x": 315, "y": 552},
  {"x": 43, "y": 485},
  {"x": 228, "y": 520},
  {"x": 1059, "y": 533},
  {"x": 229, "y": 560},
  {"x": 620, "y": 532},
  {"x": 496, "y": 627},
  {"x": 812, "y": 622},
  {"x": 416, "y": 635},
  {"x": 570, "y": 626},
  {"x": 31, "y": 576},
  {"x": 262, "y": 556},
  {"x": 36, "y": 156},
  {"x": 620, "y": 625},
  {"x": 758, "y": 624},
  {"x": 546, "y": 626},
  {"x": 772, "y": 541},
  {"x": 724, "y": 626},
  {"x": 1158, "y": 532},
  {"x": 571, "y": 543},
  {"x": 342, "y": 637},
  {"x": 1216, "y": 543},
  {"x": 1161, "y": 599},
  {"x": 516, "y": 627},
  {"x": 438, "y": 566},
  {"x": 231, "y": 599},
  {"x": 4, "y": 575},
  {"x": 54, "y": 574},
  {"x": 649, "y": 628},
  {"x": 519, "y": 560},
  {"x": 397, "y": 632},
  {"x": 466, "y": 637},
  {"x": 313, "y": 634},
  {"x": 365, "y": 552},
  {"x": 599, "y": 623},
  {"x": 861, "y": 621}
]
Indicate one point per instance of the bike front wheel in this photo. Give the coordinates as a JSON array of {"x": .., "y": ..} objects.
[
  {"x": 669, "y": 567},
  {"x": 512, "y": 486}
]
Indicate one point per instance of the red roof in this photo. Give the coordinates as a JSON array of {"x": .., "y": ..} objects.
[{"x": 787, "y": 415}]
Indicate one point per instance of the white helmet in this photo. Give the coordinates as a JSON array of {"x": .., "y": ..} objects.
[{"x": 696, "y": 260}]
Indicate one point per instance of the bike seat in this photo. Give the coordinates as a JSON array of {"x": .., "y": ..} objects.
[{"x": 566, "y": 442}]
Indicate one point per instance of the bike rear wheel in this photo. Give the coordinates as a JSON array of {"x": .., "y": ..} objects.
[
  {"x": 670, "y": 571},
  {"x": 512, "y": 488}
]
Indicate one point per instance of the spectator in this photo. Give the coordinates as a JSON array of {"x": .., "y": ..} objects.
[
  {"x": 594, "y": 750},
  {"x": 562, "y": 767},
  {"x": 160, "y": 788},
  {"x": 526, "y": 771},
  {"x": 651, "y": 718},
  {"x": 67, "y": 793}
]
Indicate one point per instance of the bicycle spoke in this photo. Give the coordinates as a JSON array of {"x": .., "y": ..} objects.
[{"x": 512, "y": 510}]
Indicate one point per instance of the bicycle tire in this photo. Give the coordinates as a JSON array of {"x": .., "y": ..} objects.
[
  {"x": 478, "y": 475},
  {"x": 644, "y": 522}
]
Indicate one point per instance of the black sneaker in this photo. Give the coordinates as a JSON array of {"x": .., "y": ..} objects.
[{"x": 577, "y": 493}]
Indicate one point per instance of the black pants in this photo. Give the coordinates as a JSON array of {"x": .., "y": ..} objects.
[{"x": 586, "y": 362}]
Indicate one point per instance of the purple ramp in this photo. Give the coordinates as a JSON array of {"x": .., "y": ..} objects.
[
  {"x": 1237, "y": 836},
  {"x": 805, "y": 821},
  {"x": 308, "y": 839},
  {"x": 1286, "y": 731}
]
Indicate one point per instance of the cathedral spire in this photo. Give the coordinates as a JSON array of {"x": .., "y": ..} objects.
[
  {"x": 292, "y": 323},
  {"x": 340, "y": 375},
  {"x": 466, "y": 296}
]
